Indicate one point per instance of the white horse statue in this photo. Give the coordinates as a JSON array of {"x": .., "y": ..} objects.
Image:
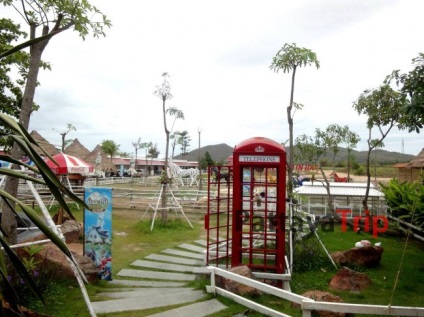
[{"x": 179, "y": 173}]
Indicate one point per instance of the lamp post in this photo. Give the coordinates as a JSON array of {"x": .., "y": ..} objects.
[
  {"x": 98, "y": 162},
  {"x": 132, "y": 165},
  {"x": 198, "y": 160}
]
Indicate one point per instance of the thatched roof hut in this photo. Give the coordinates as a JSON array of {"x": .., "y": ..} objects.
[
  {"x": 418, "y": 161},
  {"x": 105, "y": 165},
  {"x": 42, "y": 142},
  {"x": 77, "y": 149},
  {"x": 412, "y": 171}
]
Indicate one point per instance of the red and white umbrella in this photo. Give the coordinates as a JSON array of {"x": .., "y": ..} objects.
[{"x": 67, "y": 164}]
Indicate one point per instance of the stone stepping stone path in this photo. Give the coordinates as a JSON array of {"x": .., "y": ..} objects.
[{"x": 160, "y": 280}]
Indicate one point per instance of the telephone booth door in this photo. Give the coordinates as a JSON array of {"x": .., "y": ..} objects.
[{"x": 259, "y": 185}]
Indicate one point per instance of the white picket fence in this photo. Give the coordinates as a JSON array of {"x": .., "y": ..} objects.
[{"x": 306, "y": 304}]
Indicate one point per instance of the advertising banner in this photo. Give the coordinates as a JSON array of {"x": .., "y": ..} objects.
[{"x": 98, "y": 229}]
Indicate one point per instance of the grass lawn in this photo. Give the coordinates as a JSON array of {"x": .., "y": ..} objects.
[{"x": 402, "y": 265}]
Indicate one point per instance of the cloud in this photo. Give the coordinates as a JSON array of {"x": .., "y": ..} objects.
[{"x": 218, "y": 56}]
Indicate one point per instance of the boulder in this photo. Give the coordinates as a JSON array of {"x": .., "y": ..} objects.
[
  {"x": 72, "y": 231},
  {"x": 9, "y": 311},
  {"x": 368, "y": 256},
  {"x": 51, "y": 256},
  {"x": 236, "y": 287},
  {"x": 349, "y": 280},
  {"x": 321, "y": 296}
]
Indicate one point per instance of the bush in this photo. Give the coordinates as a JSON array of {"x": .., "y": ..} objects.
[
  {"x": 309, "y": 256},
  {"x": 41, "y": 274},
  {"x": 341, "y": 164},
  {"x": 360, "y": 171}
]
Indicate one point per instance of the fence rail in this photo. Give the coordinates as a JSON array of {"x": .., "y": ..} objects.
[
  {"x": 124, "y": 196},
  {"x": 306, "y": 304}
]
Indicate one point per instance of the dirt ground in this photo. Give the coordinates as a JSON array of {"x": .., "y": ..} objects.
[{"x": 354, "y": 178}]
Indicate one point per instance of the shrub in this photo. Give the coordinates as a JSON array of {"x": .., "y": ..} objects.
[
  {"x": 360, "y": 170},
  {"x": 406, "y": 200},
  {"x": 308, "y": 256},
  {"x": 41, "y": 274}
]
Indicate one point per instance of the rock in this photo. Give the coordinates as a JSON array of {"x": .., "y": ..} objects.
[
  {"x": 369, "y": 256},
  {"x": 9, "y": 311},
  {"x": 238, "y": 288},
  {"x": 321, "y": 296},
  {"x": 52, "y": 256},
  {"x": 72, "y": 231},
  {"x": 349, "y": 280}
]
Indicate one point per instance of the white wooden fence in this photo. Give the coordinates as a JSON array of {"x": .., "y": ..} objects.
[{"x": 306, "y": 304}]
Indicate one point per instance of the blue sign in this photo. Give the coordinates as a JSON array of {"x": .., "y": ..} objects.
[
  {"x": 4, "y": 163},
  {"x": 98, "y": 229}
]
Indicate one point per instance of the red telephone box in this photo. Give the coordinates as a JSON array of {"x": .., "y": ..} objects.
[{"x": 259, "y": 205}]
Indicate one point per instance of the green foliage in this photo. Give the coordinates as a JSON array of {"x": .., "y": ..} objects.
[
  {"x": 406, "y": 200},
  {"x": 11, "y": 90},
  {"x": 206, "y": 160},
  {"x": 29, "y": 146},
  {"x": 290, "y": 56},
  {"x": 308, "y": 255},
  {"x": 412, "y": 85},
  {"x": 382, "y": 106},
  {"x": 341, "y": 164},
  {"x": 42, "y": 276},
  {"x": 359, "y": 170},
  {"x": 82, "y": 17},
  {"x": 288, "y": 59},
  {"x": 110, "y": 147},
  {"x": 355, "y": 165}
]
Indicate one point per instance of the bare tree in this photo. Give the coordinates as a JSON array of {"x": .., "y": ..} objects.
[
  {"x": 64, "y": 133},
  {"x": 164, "y": 93}
]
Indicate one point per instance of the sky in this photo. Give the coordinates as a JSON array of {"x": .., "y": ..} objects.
[{"x": 218, "y": 56}]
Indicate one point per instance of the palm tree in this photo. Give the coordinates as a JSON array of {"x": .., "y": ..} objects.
[
  {"x": 110, "y": 148},
  {"x": 137, "y": 145}
]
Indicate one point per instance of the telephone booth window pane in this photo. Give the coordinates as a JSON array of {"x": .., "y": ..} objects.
[{"x": 259, "y": 200}]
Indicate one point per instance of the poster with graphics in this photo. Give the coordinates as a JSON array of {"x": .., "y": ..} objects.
[{"x": 98, "y": 229}]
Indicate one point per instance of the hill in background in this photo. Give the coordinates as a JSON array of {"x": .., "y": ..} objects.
[{"x": 220, "y": 152}]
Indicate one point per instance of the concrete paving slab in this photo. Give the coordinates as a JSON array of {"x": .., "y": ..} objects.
[
  {"x": 182, "y": 253},
  {"x": 192, "y": 247},
  {"x": 200, "y": 309},
  {"x": 203, "y": 243},
  {"x": 173, "y": 259},
  {"x": 156, "y": 275},
  {"x": 140, "y": 292},
  {"x": 163, "y": 266},
  {"x": 140, "y": 303},
  {"x": 146, "y": 283}
]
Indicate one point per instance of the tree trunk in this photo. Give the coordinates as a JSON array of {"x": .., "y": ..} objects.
[
  {"x": 164, "y": 211},
  {"x": 367, "y": 191},
  {"x": 330, "y": 198},
  {"x": 8, "y": 220},
  {"x": 290, "y": 122}
]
